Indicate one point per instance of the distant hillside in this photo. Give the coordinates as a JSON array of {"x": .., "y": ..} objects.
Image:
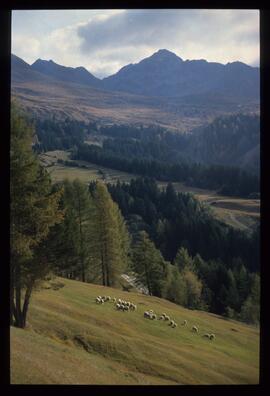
[
  {"x": 46, "y": 88},
  {"x": 21, "y": 72},
  {"x": 165, "y": 74},
  {"x": 77, "y": 75},
  {"x": 72, "y": 340},
  {"x": 232, "y": 140}
]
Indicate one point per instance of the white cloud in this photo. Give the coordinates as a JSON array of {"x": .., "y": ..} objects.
[{"x": 103, "y": 41}]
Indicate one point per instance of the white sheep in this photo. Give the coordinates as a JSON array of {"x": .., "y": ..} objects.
[
  {"x": 167, "y": 318},
  {"x": 212, "y": 336},
  {"x": 175, "y": 325},
  {"x": 114, "y": 300},
  {"x": 206, "y": 335},
  {"x": 184, "y": 323},
  {"x": 97, "y": 300},
  {"x": 171, "y": 322},
  {"x": 161, "y": 317},
  {"x": 153, "y": 316},
  {"x": 195, "y": 329}
]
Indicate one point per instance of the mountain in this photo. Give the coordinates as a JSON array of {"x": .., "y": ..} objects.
[
  {"x": 45, "y": 88},
  {"x": 77, "y": 75},
  {"x": 166, "y": 74},
  {"x": 21, "y": 72}
]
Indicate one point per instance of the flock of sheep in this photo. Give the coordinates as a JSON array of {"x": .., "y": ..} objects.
[
  {"x": 120, "y": 305},
  {"x": 151, "y": 315},
  {"x": 125, "y": 306}
]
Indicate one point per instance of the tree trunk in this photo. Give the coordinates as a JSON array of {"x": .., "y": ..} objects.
[
  {"x": 103, "y": 270},
  {"x": 26, "y": 304}
]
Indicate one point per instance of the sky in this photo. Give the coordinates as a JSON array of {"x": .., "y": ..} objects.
[{"x": 103, "y": 41}]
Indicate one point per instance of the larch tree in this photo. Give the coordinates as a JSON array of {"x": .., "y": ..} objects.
[
  {"x": 110, "y": 239},
  {"x": 79, "y": 210},
  {"x": 34, "y": 209},
  {"x": 149, "y": 264}
]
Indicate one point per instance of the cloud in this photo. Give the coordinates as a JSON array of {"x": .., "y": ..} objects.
[
  {"x": 103, "y": 41},
  {"x": 215, "y": 35}
]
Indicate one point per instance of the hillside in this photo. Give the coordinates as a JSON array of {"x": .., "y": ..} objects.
[
  {"x": 46, "y": 87},
  {"x": 228, "y": 140},
  {"x": 72, "y": 340},
  {"x": 166, "y": 74},
  {"x": 77, "y": 75}
]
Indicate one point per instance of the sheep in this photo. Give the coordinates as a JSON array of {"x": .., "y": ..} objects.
[
  {"x": 174, "y": 325},
  {"x": 133, "y": 307},
  {"x": 184, "y": 323},
  {"x": 167, "y": 318},
  {"x": 195, "y": 329},
  {"x": 206, "y": 335},
  {"x": 146, "y": 314},
  {"x": 126, "y": 308},
  {"x": 153, "y": 316},
  {"x": 212, "y": 336},
  {"x": 97, "y": 300},
  {"x": 171, "y": 322},
  {"x": 161, "y": 317}
]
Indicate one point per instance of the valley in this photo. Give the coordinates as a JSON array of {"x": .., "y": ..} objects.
[
  {"x": 237, "y": 212},
  {"x": 135, "y": 204}
]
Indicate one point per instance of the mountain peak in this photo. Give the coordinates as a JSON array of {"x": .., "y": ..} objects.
[{"x": 165, "y": 54}]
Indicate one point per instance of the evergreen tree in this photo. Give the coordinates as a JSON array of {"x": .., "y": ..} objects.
[
  {"x": 110, "y": 240},
  {"x": 149, "y": 264},
  {"x": 79, "y": 206},
  {"x": 193, "y": 288},
  {"x": 250, "y": 311},
  {"x": 176, "y": 287},
  {"x": 183, "y": 260},
  {"x": 34, "y": 209},
  {"x": 70, "y": 241}
]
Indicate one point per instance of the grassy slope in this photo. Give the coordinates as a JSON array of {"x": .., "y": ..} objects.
[{"x": 71, "y": 339}]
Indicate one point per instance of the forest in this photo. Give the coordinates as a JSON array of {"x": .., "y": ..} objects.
[
  {"x": 164, "y": 155},
  {"x": 226, "y": 180},
  {"x": 94, "y": 233}
]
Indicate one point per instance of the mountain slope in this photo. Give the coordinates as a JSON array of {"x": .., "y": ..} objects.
[
  {"x": 21, "y": 72},
  {"x": 71, "y": 339},
  {"x": 165, "y": 74},
  {"x": 68, "y": 95},
  {"x": 77, "y": 75},
  {"x": 232, "y": 140}
]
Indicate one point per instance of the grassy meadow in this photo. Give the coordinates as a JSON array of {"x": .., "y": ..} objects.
[{"x": 72, "y": 340}]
